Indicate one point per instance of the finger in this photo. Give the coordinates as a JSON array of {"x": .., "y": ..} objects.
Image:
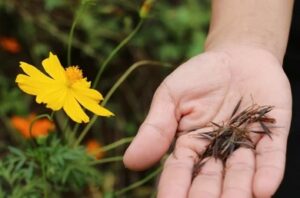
[
  {"x": 178, "y": 169},
  {"x": 270, "y": 164},
  {"x": 208, "y": 183},
  {"x": 155, "y": 134},
  {"x": 176, "y": 176},
  {"x": 239, "y": 174},
  {"x": 270, "y": 156}
]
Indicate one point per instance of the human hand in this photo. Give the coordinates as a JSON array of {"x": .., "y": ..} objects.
[{"x": 204, "y": 89}]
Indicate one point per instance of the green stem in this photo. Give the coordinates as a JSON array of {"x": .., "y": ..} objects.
[
  {"x": 45, "y": 179},
  {"x": 114, "y": 144},
  {"x": 139, "y": 183},
  {"x": 114, "y": 52},
  {"x": 85, "y": 130},
  {"x": 117, "y": 144},
  {"x": 114, "y": 88},
  {"x": 70, "y": 39},
  {"x": 75, "y": 128},
  {"x": 127, "y": 73},
  {"x": 107, "y": 160},
  {"x": 71, "y": 34},
  {"x": 69, "y": 137},
  {"x": 101, "y": 70}
]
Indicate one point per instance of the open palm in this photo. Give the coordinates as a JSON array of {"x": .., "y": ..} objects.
[{"x": 207, "y": 88}]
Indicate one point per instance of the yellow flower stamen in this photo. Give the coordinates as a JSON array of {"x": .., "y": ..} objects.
[{"x": 73, "y": 74}]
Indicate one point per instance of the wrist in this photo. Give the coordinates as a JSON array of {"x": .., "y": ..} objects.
[
  {"x": 246, "y": 37},
  {"x": 253, "y": 23}
]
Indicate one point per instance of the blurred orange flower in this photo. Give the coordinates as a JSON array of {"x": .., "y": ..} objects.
[
  {"x": 10, "y": 44},
  {"x": 93, "y": 147},
  {"x": 40, "y": 128}
]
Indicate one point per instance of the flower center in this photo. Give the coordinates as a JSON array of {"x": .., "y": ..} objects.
[{"x": 73, "y": 74}]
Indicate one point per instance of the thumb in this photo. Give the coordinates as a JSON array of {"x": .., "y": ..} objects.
[{"x": 156, "y": 133}]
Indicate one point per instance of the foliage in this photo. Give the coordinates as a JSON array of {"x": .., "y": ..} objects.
[
  {"x": 50, "y": 166},
  {"x": 58, "y": 165}
]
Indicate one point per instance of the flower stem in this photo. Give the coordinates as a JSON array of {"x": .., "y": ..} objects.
[
  {"x": 117, "y": 144},
  {"x": 114, "y": 144},
  {"x": 71, "y": 34},
  {"x": 139, "y": 183},
  {"x": 104, "y": 65},
  {"x": 70, "y": 38},
  {"x": 69, "y": 137},
  {"x": 127, "y": 73},
  {"x": 44, "y": 179},
  {"x": 114, "y": 88},
  {"x": 115, "y": 51},
  {"x": 107, "y": 160}
]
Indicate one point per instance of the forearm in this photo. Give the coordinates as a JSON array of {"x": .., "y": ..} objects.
[{"x": 262, "y": 23}]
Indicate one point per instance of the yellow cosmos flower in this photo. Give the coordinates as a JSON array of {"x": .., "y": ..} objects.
[{"x": 63, "y": 88}]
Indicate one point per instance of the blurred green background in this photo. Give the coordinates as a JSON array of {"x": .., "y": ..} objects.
[{"x": 174, "y": 31}]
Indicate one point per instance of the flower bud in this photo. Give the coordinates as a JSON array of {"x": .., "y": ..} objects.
[{"x": 146, "y": 7}]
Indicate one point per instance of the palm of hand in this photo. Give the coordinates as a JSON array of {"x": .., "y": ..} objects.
[{"x": 204, "y": 89}]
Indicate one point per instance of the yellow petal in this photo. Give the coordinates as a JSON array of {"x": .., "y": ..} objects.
[
  {"x": 79, "y": 87},
  {"x": 51, "y": 93},
  {"x": 91, "y": 105},
  {"x": 73, "y": 109},
  {"x": 28, "y": 89},
  {"x": 34, "y": 72},
  {"x": 53, "y": 67},
  {"x": 31, "y": 85},
  {"x": 54, "y": 98},
  {"x": 84, "y": 83}
]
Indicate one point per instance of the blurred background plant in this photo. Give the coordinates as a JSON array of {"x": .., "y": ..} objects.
[{"x": 173, "y": 32}]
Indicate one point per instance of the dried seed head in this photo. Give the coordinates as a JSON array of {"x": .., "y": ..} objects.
[{"x": 227, "y": 137}]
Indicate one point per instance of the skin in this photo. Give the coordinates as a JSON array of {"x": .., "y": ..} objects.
[{"x": 243, "y": 58}]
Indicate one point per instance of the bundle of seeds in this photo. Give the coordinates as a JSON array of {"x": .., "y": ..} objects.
[{"x": 225, "y": 138}]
